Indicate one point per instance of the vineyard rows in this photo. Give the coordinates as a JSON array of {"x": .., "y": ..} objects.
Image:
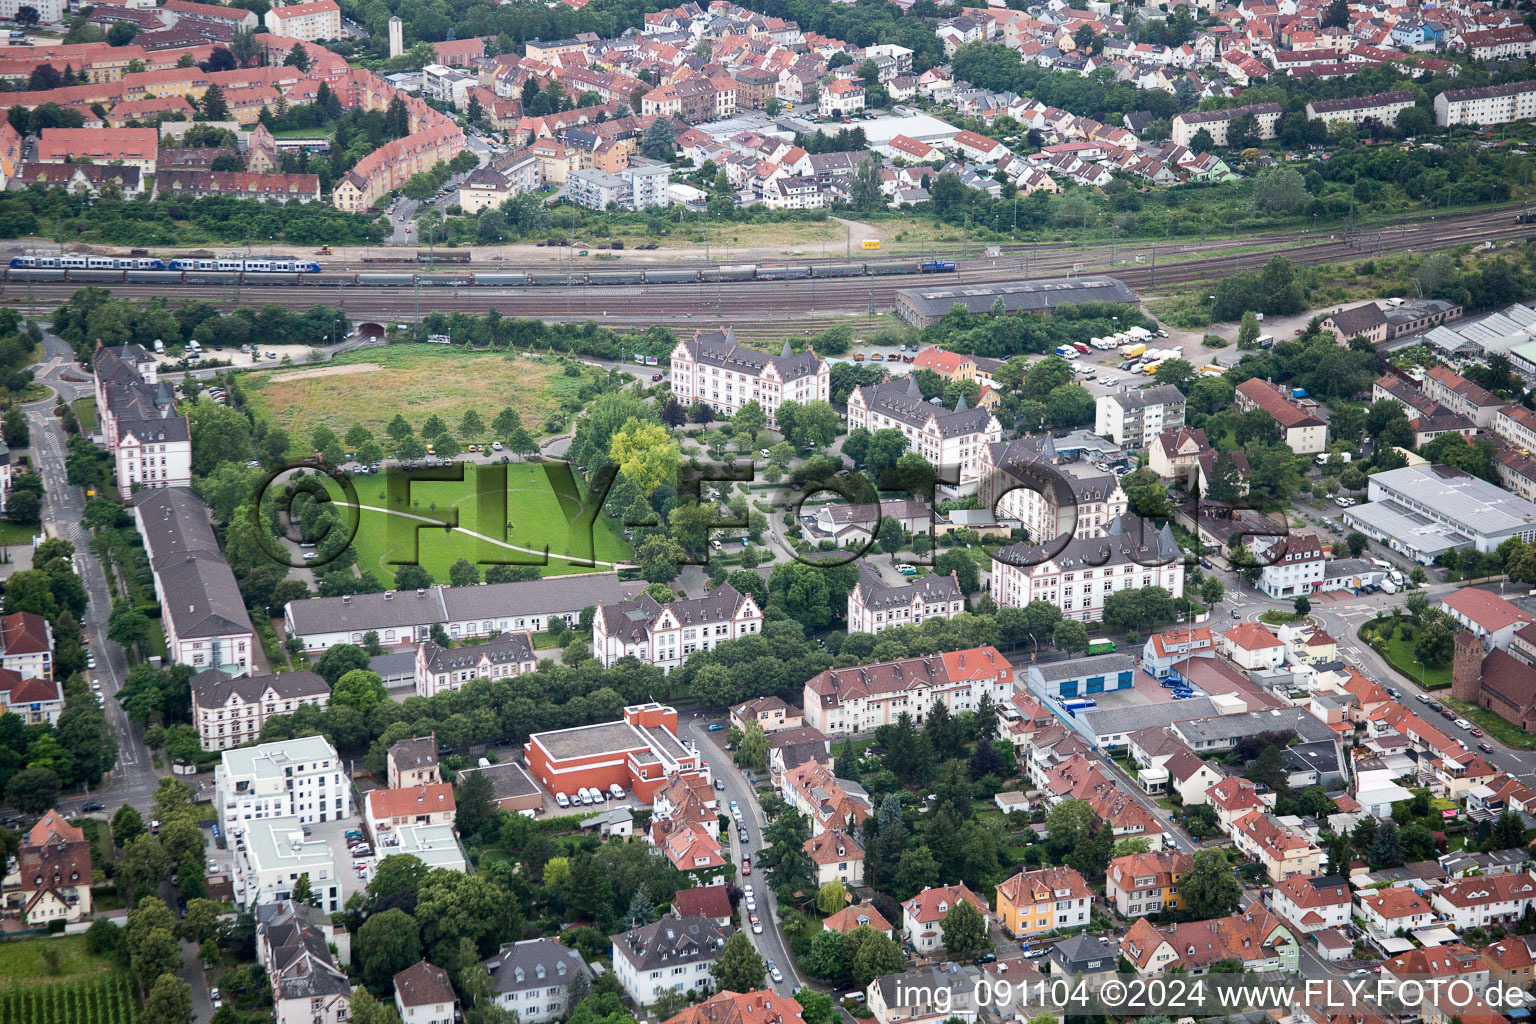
[{"x": 105, "y": 1000}]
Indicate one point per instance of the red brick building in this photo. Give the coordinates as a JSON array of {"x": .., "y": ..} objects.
[{"x": 640, "y": 752}]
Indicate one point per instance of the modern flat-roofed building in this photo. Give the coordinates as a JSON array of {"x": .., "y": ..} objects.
[
  {"x": 512, "y": 788},
  {"x": 270, "y": 857},
  {"x": 301, "y": 778},
  {"x": 640, "y": 752},
  {"x": 1422, "y": 511}
]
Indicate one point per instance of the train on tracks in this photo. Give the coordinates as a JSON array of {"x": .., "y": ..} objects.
[{"x": 307, "y": 273}]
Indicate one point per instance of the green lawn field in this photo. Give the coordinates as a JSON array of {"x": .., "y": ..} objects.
[{"x": 539, "y": 518}]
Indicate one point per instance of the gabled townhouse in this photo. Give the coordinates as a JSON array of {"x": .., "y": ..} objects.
[
  {"x": 1252, "y": 646},
  {"x": 452, "y": 668},
  {"x": 665, "y": 635},
  {"x": 952, "y": 440},
  {"x": 1163, "y": 651},
  {"x": 874, "y": 605},
  {"x": 670, "y": 953},
  {"x": 424, "y": 995},
  {"x": 231, "y": 710},
  {"x": 1047, "y": 900},
  {"x": 1450, "y": 962},
  {"x": 814, "y": 791},
  {"x": 1281, "y": 851},
  {"x": 769, "y": 714},
  {"x": 1509, "y": 962},
  {"x": 1302, "y": 432},
  {"x": 52, "y": 876},
  {"x": 1313, "y": 902},
  {"x": 391, "y": 809},
  {"x": 715, "y": 370},
  {"x": 859, "y": 915},
  {"x": 837, "y": 856},
  {"x": 1461, "y": 396},
  {"x": 293, "y": 945},
  {"x": 1142, "y": 884},
  {"x": 922, "y": 916},
  {"x": 863, "y": 697},
  {"x": 1386, "y": 912},
  {"x": 1255, "y": 937},
  {"x": 1078, "y": 778},
  {"x": 1484, "y": 902},
  {"x": 1292, "y": 565}
]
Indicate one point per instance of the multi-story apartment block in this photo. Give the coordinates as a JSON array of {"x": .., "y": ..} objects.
[
  {"x": 672, "y": 953},
  {"x": 863, "y": 697},
  {"x": 308, "y": 23},
  {"x": 395, "y": 163},
  {"x": 271, "y": 855},
  {"x": 1216, "y": 122},
  {"x": 952, "y": 440},
  {"x": 815, "y": 792},
  {"x": 300, "y": 778},
  {"x": 640, "y": 185},
  {"x": 535, "y": 979},
  {"x": 1142, "y": 884},
  {"x": 1485, "y": 105},
  {"x": 1461, "y": 396},
  {"x": 841, "y": 98},
  {"x": 1505, "y": 43},
  {"x": 26, "y": 645},
  {"x": 293, "y": 944},
  {"x": 1047, "y": 900},
  {"x": 1302, "y": 432},
  {"x": 714, "y": 370},
  {"x": 1382, "y": 106},
  {"x": 1029, "y": 480},
  {"x": 874, "y": 605},
  {"x": 265, "y": 188},
  {"x": 451, "y": 668},
  {"x": 666, "y": 634},
  {"x": 132, "y": 147},
  {"x": 1083, "y": 573},
  {"x": 1293, "y": 564},
  {"x": 1134, "y": 419},
  {"x": 231, "y": 710},
  {"x": 203, "y": 614}
]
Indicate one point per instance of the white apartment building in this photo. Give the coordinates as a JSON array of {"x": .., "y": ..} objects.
[
  {"x": 153, "y": 453},
  {"x": 307, "y": 23},
  {"x": 1485, "y": 900},
  {"x": 674, "y": 952},
  {"x": 952, "y": 440},
  {"x": 1489, "y": 104},
  {"x": 1022, "y": 480},
  {"x": 534, "y": 978},
  {"x": 1517, "y": 425},
  {"x": 271, "y": 854},
  {"x": 666, "y": 634},
  {"x": 1134, "y": 419},
  {"x": 1313, "y": 903},
  {"x": 1294, "y": 564},
  {"x": 1079, "y": 577},
  {"x": 231, "y": 710},
  {"x": 874, "y": 605},
  {"x": 1382, "y": 106},
  {"x": 300, "y": 778},
  {"x": 863, "y": 697},
  {"x": 1216, "y": 122},
  {"x": 450, "y": 668},
  {"x": 714, "y": 370}
]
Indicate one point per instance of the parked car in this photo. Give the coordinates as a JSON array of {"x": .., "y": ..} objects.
[
  {"x": 1462, "y": 723},
  {"x": 714, "y": 727},
  {"x": 719, "y": 784},
  {"x": 87, "y": 808},
  {"x": 213, "y": 866},
  {"x": 774, "y": 972},
  {"x": 757, "y": 925}
]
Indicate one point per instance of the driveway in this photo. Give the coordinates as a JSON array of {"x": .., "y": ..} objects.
[{"x": 771, "y": 943}]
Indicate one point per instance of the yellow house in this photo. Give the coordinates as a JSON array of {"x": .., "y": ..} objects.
[
  {"x": 1146, "y": 883},
  {"x": 1036, "y": 902}
]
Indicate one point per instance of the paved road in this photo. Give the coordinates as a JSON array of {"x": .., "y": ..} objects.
[
  {"x": 771, "y": 943},
  {"x": 134, "y": 779}
]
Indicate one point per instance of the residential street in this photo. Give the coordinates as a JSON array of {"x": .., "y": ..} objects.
[
  {"x": 771, "y": 943},
  {"x": 134, "y": 779}
]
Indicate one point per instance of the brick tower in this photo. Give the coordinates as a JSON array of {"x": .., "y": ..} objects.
[{"x": 1467, "y": 668}]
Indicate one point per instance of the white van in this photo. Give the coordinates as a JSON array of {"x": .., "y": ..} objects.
[
  {"x": 586, "y": 796},
  {"x": 616, "y": 791},
  {"x": 562, "y": 800}
]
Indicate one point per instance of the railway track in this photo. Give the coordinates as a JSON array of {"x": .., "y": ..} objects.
[{"x": 1143, "y": 266}]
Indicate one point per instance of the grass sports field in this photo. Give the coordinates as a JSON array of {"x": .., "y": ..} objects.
[
  {"x": 370, "y": 385},
  {"x": 540, "y": 504}
]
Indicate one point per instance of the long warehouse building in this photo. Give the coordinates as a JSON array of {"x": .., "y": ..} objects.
[{"x": 923, "y": 307}]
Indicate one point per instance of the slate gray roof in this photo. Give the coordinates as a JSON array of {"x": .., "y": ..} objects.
[
  {"x": 414, "y": 753},
  {"x": 1231, "y": 728},
  {"x": 1076, "y": 668},
  {"x": 301, "y": 958},
  {"x": 212, "y": 688},
  {"x": 157, "y": 430},
  {"x": 1358, "y": 319},
  {"x": 632, "y": 620},
  {"x": 1113, "y": 721},
  {"x": 202, "y": 598},
  {"x": 536, "y": 963},
  {"x": 1035, "y": 457},
  {"x": 174, "y": 523},
  {"x": 906, "y": 404},
  {"x": 1018, "y": 296},
  {"x": 1084, "y": 953},
  {"x": 682, "y": 940},
  {"x": 932, "y": 589},
  {"x": 1161, "y": 394},
  {"x": 514, "y": 648},
  {"x": 719, "y": 348},
  {"x": 1126, "y": 540},
  {"x": 561, "y": 594}
]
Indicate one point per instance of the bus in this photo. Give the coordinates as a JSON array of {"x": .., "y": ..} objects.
[{"x": 1102, "y": 645}]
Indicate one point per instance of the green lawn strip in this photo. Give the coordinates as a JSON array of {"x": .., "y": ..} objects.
[
  {"x": 17, "y": 533},
  {"x": 1511, "y": 735},
  {"x": 538, "y": 517},
  {"x": 23, "y": 962},
  {"x": 85, "y": 412}
]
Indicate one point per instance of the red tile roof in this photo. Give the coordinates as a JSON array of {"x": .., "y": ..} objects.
[{"x": 411, "y": 800}]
